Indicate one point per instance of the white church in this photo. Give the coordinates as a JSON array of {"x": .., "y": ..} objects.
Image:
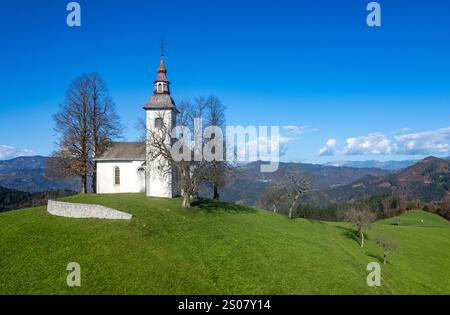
[{"x": 126, "y": 167}]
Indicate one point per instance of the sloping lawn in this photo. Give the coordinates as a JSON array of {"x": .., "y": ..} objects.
[{"x": 214, "y": 248}]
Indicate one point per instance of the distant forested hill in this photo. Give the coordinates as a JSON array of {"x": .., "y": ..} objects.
[
  {"x": 11, "y": 199},
  {"x": 27, "y": 174},
  {"x": 385, "y": 165},
  {"x": 427, "y": 181},
  {"x": 249, "y": 183}
]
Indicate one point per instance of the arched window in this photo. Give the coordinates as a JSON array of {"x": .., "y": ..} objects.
[
  {"x": 159, "y": 88},
  {"x": 116, "y": 176},
  {"x": 158, "y": 123}
]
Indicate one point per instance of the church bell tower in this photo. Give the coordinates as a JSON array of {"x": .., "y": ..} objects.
[{"x": 161, "y": 179}]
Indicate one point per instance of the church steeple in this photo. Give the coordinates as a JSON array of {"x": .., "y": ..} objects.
[
  {"x": 161, "y": 176},
  {"x": 162, "y": 84},
  {"x": 161, "y": 99}
]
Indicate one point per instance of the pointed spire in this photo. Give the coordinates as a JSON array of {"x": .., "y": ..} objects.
[
  {"x": 161, "y": 99},
  {"x": 161, "y": 82},
  {"x": 162, "y": 71},
  {"x": 162, "y": 67}
]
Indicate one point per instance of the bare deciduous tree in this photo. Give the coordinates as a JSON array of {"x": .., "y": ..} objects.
[
  {"x": 104, "y": 121},
  {"x": 361, "y": 219},
  {"x": 218, "y": 170},
  {"x": 187, "y": 154},
  {"x": 86, "y": 123},
  {"x": 73, "y": 125},
  {"x": 387, "y": 245},
  {"x": 273, "y": 197},
  {"x": 162, "y": 148},
  {"x": 296, "y": 186}
]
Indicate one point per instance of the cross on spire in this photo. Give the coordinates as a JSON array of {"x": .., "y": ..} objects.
[{"x": 162, "y": 47}]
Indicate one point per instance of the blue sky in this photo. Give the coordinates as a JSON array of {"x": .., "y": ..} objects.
[{"x": 315, "y": 66}]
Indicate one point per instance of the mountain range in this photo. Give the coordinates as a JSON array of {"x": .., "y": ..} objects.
[
  {"x": 427, "y": 180},
  {"x": 27, "y": 174},
  {"x": 385, "y": 165},
  {"x": 247, "y": 186}
]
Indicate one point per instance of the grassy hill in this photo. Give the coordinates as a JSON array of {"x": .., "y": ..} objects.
[{"x": 214, "y": 248}]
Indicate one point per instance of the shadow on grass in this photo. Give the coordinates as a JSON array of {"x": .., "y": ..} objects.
[
  {"x": 351, "y": 234},
  {"x": 218, "y": 206},
  {"x": 377, "y": 257}
]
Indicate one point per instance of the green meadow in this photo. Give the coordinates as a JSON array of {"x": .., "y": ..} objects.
[{"x": 215, "y": 248}]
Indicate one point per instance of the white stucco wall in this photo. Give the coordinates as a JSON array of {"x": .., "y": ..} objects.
[
  {"x": 131, "y": 179},
  {"x": 161, "y": 180}
]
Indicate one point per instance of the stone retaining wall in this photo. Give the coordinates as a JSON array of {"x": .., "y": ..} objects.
[{"x": 77, "y": 210}]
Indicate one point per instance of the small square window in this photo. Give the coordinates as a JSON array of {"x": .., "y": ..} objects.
[{"x": 158, "y": 123}]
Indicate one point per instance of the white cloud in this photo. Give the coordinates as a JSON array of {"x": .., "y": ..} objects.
[
  {"x": 328, "y": 149},
  {"x": 373, "y": 144},
  {"x": 263, "y": 148},
  {"x": 292, "y": 129},
  {"x": 8, "y": 152},
  {"x": 422, "y": 143},
  {"x": 298, "y": 130}
]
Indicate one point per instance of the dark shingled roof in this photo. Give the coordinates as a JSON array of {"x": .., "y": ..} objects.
[
  {"x": 161, "y": 101},
  {"x": 162, "y": 72},
  {"x": 128, "y": 151}
]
